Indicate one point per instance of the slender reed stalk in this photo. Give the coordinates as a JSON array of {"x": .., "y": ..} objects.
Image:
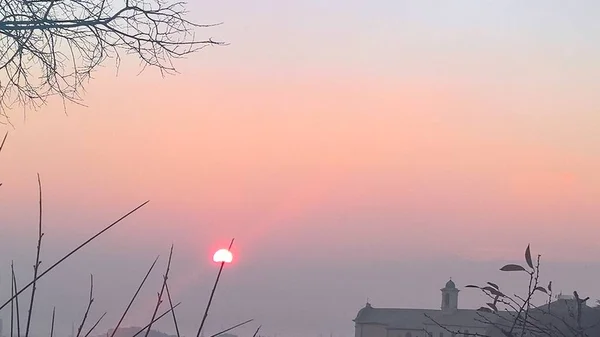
[
  {"x": 12, "y": 304},
  {"x": 2, "y": 146},
  {"x": 155, "y": 320},
  {"x": 160, "y": 294},
  {"x": 231, "y": 328},
  {"x": 52, "y": 325},
  {"x": 16, "y": 297},
  {"x": 3, "y": 141},
  {"x": 257, "y": 330},
  {"x": 212, "y": 294},
  {"x": 134, "y": 297},
  {"x": 73, "y": 252},
  {"x": 172, "y": 309},
  {"x": 36, "y": 266},
  {"x": 95, "y": 325},
  {"x": 87, "y": 310}
]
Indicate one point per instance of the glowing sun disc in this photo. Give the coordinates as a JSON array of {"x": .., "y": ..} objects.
[{"x": 223, "y": 255}]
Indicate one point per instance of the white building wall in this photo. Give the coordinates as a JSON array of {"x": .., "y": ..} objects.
[{"x": 371, "y": 330}]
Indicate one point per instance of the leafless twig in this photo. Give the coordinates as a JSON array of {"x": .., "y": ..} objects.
[
  {"x": 52, "y": 324},
  {"x": 16, "y": 298},
  {"x": 160, "y": 294},
  {"x": 95, "y": 325},
  {"x": 172, "y": 309},
  {"x": 36, "y": 266},
  {"x": 134, "y": 297},
  {"x": 89, "y": 306},
  {"x": 17, "y": 293},
  {"x": 231, "y": 328},
  {"x": 155, "y": 320},
  {"x": 212, "y": 294},
  {"x": 51, "y": 47}
]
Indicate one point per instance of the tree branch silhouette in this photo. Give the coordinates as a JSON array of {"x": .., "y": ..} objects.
[{"x": 51, "y": 47}]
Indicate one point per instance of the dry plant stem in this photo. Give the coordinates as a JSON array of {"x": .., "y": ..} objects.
[
  {"x": 52, "y": 324},
  {"x": 155, "y": 320},
  {"x": 3, "y": 141},
  {"x": 255, "y": 332},
  {"x": 160, "y": 294},
  {"x": 134, "y": 297},
  {"x": 95, "y": 325},
  {"x": 172, "y": 309},
  {"x": 12, "y": 304},
  {"x": 36, "y": 266},
  {"x": 73, "y": 252},
  {"x": 231, "y": 328},
  {"x": 87, "y": 310},
  {"x": 1, "y": 147},
  {"x": 212, "y": 294},
  {"x": 16, "y": 297}
]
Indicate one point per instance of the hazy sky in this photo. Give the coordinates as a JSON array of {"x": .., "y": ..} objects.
[{"x": 354, "y": 149}]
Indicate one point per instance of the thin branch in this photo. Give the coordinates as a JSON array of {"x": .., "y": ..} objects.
[
  {"x": 3, "y": 141},
  {"x": 255, "y": 332},
  {"x": 16, "y": 298},
  {"x": 172, "y": 309},
  {"x": 51, "y": 48},
  {"x": 36, "y": 266},
  {"x": 95, "y": 325},
  {"x": 160, "y": 294},
  {"x": 12, "y": 305},
  {"x": 155, "y": 320},
  {"x": 52, "y": 324},
  {"x": 89, "y": 305},
  {"x": 73, "y": 252},
  {"x": 134, "y": 297},
  {"x": 212, "y": 294},
  {"x": 231, "y": 328}
]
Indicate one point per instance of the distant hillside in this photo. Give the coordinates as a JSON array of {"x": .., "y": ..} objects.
[{"x": 130, "y": 331}]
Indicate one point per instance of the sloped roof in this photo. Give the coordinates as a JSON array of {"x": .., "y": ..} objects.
[
  {"x": 560, "y": 316},
  {"x": 418, "y": 318}
]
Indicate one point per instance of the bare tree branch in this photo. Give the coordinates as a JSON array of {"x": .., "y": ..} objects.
[
  {"x": 36, "y": 266},
  {"x": 52, "y": 47}
]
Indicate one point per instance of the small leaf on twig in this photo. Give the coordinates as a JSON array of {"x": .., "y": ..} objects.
[
  {"x": 493, "y": 306},
  {"x": 512, "y": 267},
  {"x": 493, "y": 291},
  {"x": 542, "y": 289},
  {"x": 471, "y": 286},
  {"x": 550, "y": 286},
  {"x": 484, "y": 309},
  {"x": 528, "y": 257},
  {"x": 494, "y": 285}
]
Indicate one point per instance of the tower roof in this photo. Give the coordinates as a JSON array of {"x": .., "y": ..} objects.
[{"x": 450, "y": 284}]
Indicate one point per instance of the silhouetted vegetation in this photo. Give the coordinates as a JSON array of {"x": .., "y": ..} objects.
[
  {"x": 518, "y": 316},
  {"x": 51, "y": 47}
]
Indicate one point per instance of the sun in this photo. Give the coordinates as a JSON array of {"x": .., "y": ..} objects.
[{"x": 223, "y": 256}]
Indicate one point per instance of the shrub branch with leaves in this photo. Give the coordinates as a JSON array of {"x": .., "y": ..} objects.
[{"x": 517, "y": 316}]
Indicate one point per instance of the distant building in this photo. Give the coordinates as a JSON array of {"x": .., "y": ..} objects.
[{"x": 394, "y": 322}]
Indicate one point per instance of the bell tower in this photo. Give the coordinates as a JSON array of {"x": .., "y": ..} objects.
[{"x": 449, "y": 297}]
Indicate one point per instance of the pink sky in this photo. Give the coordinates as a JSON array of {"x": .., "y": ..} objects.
[{"x": 418, "y": 148}]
